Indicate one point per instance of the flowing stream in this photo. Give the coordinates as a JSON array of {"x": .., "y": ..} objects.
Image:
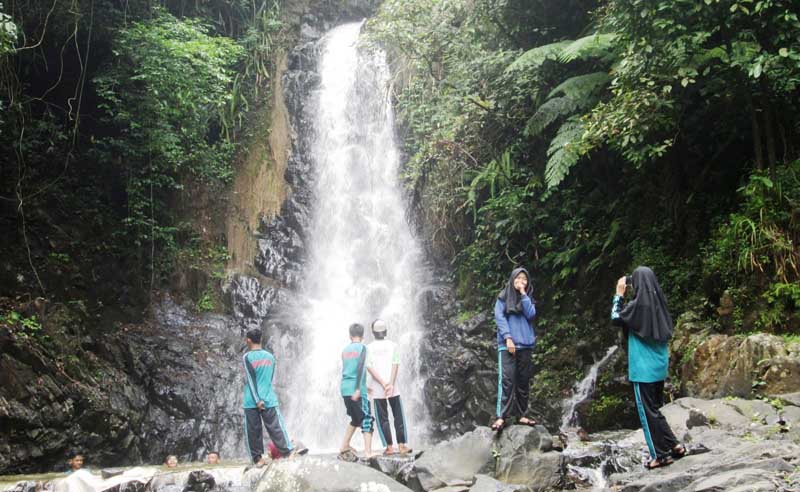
[
  {"x": 363, "y": 261},
  {"x": 581, "y": 391}
]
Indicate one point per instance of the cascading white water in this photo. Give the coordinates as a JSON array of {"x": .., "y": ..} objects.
[
  {"x": 582, "y": 391},
  {"x": 363, "y": 263}
]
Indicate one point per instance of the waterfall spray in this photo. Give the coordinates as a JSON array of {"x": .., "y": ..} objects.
[{"x": 363, "y": 261}]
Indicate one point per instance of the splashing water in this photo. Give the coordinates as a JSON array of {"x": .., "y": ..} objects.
[
  {"x": 582, "y": 391},
  {"x": 364, "y": 263}
]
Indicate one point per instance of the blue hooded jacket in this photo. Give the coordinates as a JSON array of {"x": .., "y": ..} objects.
[{"x": 517, "y": 323}]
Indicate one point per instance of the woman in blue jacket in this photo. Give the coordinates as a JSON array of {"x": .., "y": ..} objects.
[
  {"x": 513, "y": 313},
  {"x": 649, "y": 327}
]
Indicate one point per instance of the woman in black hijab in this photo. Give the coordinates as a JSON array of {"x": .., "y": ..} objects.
[
  {"x": 649, "y": 328},
  {"x": 513, "y": 314}
]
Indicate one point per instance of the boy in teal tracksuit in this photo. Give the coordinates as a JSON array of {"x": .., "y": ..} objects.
[
  {"x": 261, "y": 402},
  {"x": 354, "y": 390}
]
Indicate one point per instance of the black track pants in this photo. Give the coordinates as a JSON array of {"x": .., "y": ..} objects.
[
  {"x": 382, "y": 414},
  {"x": 273, "y": 421},
  {"x": 659, "y": 437},
  {"x": 513, "y": 382}
]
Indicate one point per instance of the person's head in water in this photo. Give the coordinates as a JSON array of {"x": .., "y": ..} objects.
[
  {"x": 253, "y": 338},
  {"x": 212, "y": 458},
  {"x": 379, "y": 329},
  {"x": 171, "y": 461},
  {"x": 356, "y": 332},
  {"x": 76, "y": 460}
]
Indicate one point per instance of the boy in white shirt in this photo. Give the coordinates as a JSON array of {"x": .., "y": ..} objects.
[{"x": 383, "y": 361}]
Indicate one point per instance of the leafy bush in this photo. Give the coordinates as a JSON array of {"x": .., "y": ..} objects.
[
  {"x": 164, "y": 93},
  {"x": 754, "y": 252}
]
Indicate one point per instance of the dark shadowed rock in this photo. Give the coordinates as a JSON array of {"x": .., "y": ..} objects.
[{"x": 396, "y": 467}]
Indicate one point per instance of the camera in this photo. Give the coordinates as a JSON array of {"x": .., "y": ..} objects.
[{"x": 628, "y": 281}]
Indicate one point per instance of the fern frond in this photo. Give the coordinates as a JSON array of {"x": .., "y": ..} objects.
[
  {"x": 591, "y": 46},
  {"x": 547, "y": 113},
  {"x": 534, "y": 57},
  {"x": 581, "y": 87},
  {"x": 563, "y": 154}
]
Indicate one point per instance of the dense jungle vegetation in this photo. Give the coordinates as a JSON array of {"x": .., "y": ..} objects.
[
  {"x": 582, "y": 138},
  {"x": 118, "y": 118},
  {"x": 579, "y": 138}
]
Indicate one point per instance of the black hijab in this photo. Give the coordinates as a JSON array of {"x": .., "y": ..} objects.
[
  {"x": 646, "y": 314},
  {"x": 510, "y": 296}
]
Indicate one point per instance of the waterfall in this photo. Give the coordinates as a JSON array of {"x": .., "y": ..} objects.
[
  {"x": 582, "y": 391},
  {"x": 362, "y": 260}
]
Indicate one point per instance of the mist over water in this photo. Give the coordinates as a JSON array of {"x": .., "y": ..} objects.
[{"x": 363, "y": 261}]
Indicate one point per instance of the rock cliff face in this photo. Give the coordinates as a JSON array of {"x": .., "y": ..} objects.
[
  {"x": 713, "y": 365},
  {"x": 132, "y": 393}
]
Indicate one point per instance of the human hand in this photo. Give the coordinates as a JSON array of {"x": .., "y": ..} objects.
[
  {"x": 510, "y": 346},
  {"x": 621, "y": 286},
  {"x": 388, "y": 389},
  {"x": 356, "y": 396},
  {"x": 260, "y": 405}
]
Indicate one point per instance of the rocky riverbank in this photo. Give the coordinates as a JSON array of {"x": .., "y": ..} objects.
[{"x": 734, "y": 444}]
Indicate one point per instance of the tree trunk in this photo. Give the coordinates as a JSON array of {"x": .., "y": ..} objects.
[{"x": 756, "y": 129}]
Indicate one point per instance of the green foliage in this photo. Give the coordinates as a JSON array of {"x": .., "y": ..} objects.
[
  {"x": 737, "y": 50},
  {"x": 548, "y": 113},
  {"x": 164, "y": 93},
  {"x": 563, "y": 152},
  {"x": 206, "y": 302},
  {"x": 534, "y": 58},
  {"x": 22, "y": 326},
  {"x": 592, "y": 46},
  {"x": 756, "y": 246}
]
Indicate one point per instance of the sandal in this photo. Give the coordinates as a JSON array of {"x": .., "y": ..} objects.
[
  {"x": 498, "y": 425},
  {"x": 529, "y": 422},
  {"x": 658, "y": 463},
  {"x": 389, "y": 451},
  {"x": 679, "y": 451}
]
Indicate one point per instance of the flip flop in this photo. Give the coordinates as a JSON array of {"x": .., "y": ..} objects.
[
  {"x": 679, "y": 451},
  {"x": 658, "y": 463},
  {"x": 530, "y": 422}
]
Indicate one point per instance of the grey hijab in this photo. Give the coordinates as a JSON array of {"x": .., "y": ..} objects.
[{"x": 510, "y": 296}]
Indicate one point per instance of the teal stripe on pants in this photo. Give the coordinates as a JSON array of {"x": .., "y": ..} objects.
[
  {"x": 499, "y": 384},
  {"x": 366, "y": 424},
  {"x": 378, "y": 422},
  {"x": 643, "y": 418},
  {"x": 405, "y": 426},
  {"x": 283, "y": 429},
  {"x": 247, "y": 438}
]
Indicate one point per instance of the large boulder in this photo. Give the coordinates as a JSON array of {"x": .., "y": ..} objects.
[
  {"x": 713, "y": 366},
  {"x": 524, "y": 456},
  {"x": 750, "y": 444},
  {"x": 485, "y": 483},
  {"x": 454, "y": 462},
  {"x": 324, "y": 475}
]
